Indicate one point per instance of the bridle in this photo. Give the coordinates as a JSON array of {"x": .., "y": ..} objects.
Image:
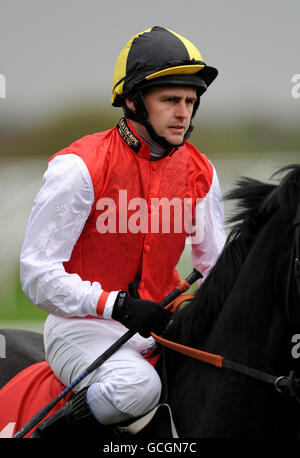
[{"x": 283, "y": 384}]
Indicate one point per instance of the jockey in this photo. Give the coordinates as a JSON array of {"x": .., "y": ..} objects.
[{"x": 108, "y": 227}]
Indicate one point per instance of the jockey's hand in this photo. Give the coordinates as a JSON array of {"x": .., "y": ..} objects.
[{"x": 140, "y": 315}]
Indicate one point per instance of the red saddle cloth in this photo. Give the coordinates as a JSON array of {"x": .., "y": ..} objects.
[
  {"x": 31, "y": 390},
  {"x": 27, "y": 393}
]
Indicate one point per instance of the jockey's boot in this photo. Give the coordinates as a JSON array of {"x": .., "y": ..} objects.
[{"x": 74, "y": 421}]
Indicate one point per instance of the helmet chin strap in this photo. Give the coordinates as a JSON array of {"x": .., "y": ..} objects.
[{"x": 141, "y": 116}]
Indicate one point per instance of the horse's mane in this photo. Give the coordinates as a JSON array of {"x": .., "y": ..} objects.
[{"x": 257, "y": 202}]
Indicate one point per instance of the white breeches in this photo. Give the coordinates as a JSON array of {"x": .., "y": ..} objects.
[{"x": 123, "y": 387}]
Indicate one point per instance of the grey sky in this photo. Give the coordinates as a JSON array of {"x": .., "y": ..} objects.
[{"x": 55, "y": 53}]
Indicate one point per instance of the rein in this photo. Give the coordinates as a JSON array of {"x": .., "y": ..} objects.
[{"x": 283, "y": 384}]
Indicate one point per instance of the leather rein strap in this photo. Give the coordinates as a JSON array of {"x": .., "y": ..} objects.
[{"x": 282, "y": 384}]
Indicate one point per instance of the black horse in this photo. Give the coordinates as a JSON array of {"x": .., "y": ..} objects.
[{"x": 247, "y": 310}]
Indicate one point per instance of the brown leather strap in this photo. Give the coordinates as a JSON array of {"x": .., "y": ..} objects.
[
  {"x": 176, "y": 304},
  {"x": 210, "y": 358}
]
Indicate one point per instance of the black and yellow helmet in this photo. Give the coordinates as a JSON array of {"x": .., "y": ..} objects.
[{"x": 159, "y": 56}]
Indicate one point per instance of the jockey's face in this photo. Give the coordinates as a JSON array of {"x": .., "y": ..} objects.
[{"x": 170, "y": 110}]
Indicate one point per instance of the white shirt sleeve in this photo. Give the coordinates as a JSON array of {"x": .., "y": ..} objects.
[
  {"x": 58, "y": 216},
  {"x": 210, "y": 216}
]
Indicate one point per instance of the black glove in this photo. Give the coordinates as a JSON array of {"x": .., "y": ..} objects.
[{"x": 140, "y": 315}]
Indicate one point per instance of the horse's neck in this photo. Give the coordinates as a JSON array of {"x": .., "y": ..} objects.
[
  {"x": 252, "y": 318},
  {"x": 249, "y": 330}
]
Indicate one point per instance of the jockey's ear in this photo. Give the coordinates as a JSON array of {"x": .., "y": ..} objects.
[{"x": 129, "y": 103}]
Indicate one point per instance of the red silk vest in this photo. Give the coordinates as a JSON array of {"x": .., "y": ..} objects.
[{"x": 127, "y": 236}]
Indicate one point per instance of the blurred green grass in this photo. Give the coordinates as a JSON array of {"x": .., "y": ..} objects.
[
  {"x": 219, "y": 138},
  {"x": 15, "y": 306}
]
